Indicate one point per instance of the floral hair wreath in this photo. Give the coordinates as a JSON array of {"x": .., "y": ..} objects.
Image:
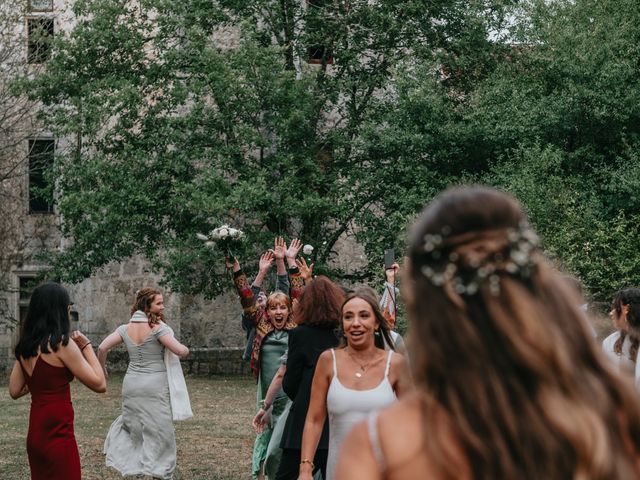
[{"x": 461, "y": 263}]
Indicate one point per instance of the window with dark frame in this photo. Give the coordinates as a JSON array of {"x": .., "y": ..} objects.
[
  {"x": 26, "y": 285},
  {"x": 316, "y": 54},
  {"x": 40, "y": 163},
  {"x": 40, "y": 34}
]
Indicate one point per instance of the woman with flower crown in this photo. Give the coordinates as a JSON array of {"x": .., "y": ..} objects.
[
  {"x": 509, "y": 383},
  {"x": 142, "y": 440}
]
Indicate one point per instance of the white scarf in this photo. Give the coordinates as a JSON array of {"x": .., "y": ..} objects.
[{"x": 178, "y": 394}]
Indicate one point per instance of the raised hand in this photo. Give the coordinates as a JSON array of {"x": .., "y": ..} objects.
[
  {"x": 279, "y": 248},
  {"x": 392, "y": 272},
  {"x": 266, "y": 260},
  {"x": 294, "y": 248},
  {"x": 306, "y": 271},
  {"x": 231, "y": 263},
  {"x": 80, "y": 339}
]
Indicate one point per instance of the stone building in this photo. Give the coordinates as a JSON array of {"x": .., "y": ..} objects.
[{"x": 29, "y": 224}]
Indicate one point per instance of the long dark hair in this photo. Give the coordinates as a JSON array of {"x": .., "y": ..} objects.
[
  {"x": 499, "y": 344},
  {"x": 382, "y": 338},
  {"x": 47, "y": 321},
  {"x": 320, "y": 304},
  {"x": 630, "y": 297}
]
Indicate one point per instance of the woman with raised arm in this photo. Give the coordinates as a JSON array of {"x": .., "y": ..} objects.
[
  {"x": 509, "y": 383},
  {"x": 272, "y": 326},
  {"x": 46, "y": 362},
  {"x": 389, "y": 306},
  {"x": 142, "y": 440},
  {"x": 352, "y": 381}
]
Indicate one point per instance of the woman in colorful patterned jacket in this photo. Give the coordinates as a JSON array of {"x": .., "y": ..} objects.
[{"x": 272, "y": 324}]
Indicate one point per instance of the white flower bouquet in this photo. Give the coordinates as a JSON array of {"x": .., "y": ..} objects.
[{"x": 224, "y": 237}]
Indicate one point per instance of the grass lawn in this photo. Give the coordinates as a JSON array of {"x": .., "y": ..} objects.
[{"x": 214, "y": 445}]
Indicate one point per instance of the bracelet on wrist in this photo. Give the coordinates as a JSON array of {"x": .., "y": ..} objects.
[
  {"x": 306, "y": 460},
  {"x": 85, "y": 346}
]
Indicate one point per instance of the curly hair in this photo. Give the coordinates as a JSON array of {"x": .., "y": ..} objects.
[
  {"x": 320, "y": 304},
  {"x": 526, "y": 390},
  {"x": 143, "y": 300}
]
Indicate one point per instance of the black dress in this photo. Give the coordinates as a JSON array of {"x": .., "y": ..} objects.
[{"x": 306, "y": 343}]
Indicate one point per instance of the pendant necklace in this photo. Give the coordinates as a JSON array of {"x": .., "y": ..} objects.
[{"x": 362, "y": 367}]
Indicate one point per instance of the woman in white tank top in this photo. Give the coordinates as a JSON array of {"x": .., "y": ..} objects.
[{"x": 353, "y": 381}]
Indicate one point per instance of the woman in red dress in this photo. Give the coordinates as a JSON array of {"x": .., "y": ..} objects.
[{"x": 46, "y": 362}]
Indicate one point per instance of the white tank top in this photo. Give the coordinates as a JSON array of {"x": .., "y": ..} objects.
[{"x": 346, "y": 407}]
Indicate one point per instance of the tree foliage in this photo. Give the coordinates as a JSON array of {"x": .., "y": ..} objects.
[{"x": 186, "y": 115}]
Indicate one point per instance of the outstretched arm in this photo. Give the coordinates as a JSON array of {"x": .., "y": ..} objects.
[
  {"x": 245, "y": 292},
  {"x": 306, "y": 271},
  {"x": 279, "y": 251},
  {"x": 264, "y": 265},
  {"x": 388, "y": 299},
  {"x": 292, "y": 252},
  {"x": 106, "y": 345}
]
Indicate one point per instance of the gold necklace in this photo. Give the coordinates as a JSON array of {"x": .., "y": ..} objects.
[{"x": 362, "y": 367}]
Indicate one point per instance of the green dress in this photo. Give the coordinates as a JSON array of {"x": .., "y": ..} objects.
[{"x": 274, "y": 346}]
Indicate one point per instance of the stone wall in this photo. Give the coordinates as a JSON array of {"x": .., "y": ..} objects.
[
  {"x": 103, "y": 302},
  {"x": 201, "y": 361}
]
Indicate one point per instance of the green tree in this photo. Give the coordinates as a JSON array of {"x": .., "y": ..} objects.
[
  {"x": 551, "y": 115},
  {"x": 187, "y": 115}
]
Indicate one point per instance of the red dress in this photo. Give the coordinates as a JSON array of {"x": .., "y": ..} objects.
[{"x": 51, "y": 443}]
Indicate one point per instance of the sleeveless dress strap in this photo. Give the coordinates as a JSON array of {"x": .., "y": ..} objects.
[
  {"x": 374, "y": 439},
  {"x": 388, "y": 367},
  {"x": 335, "y": 367}
]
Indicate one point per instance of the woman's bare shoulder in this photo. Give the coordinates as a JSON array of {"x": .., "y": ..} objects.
[{"x": 402, "y": 430}]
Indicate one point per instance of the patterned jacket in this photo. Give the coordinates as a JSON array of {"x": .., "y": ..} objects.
[{"x": 258, "y": 316}]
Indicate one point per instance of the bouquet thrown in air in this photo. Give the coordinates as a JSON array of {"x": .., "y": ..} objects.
[{"x": 224, "y": 237}]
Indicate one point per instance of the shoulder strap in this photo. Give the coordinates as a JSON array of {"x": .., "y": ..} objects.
[
  {"x": 374, "y": 439},
  {"x": 388, "y": 367},
  {"x": 335, "y": 368}
]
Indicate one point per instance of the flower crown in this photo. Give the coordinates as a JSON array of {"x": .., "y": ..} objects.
[{"x": 461, "y": 263}]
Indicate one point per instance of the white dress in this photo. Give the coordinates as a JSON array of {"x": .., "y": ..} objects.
[
  {"x": 346, "y": 407},
  {"x": 622, "y": 361}
]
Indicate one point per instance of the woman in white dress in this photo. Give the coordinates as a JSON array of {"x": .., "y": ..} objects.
[
  {"x": 142, "y": 441},
  {"x": 352, "y": 381},
  {"x": 622, "y": 345}
]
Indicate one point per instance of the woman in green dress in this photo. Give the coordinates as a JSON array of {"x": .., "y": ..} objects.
[{"x": 272, "y": 324}]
